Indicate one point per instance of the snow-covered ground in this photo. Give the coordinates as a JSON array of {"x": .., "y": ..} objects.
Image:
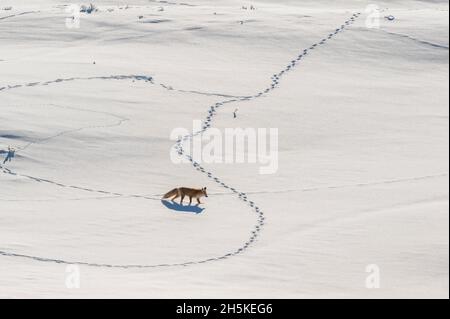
[{"x": 363, "y": 127}]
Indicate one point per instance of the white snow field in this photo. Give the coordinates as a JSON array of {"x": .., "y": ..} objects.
[{"x": 361, "y": 194}]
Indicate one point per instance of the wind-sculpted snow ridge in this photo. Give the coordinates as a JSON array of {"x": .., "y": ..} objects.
[
  {"x": 275, "y": 81},
  {"x": 412, "y": 38},
  {"x": 354, "y": 185},
  {"x": 18, "y": 14},
  {"x": 110, "y": 77},
  {"x": 134, "y": 77},
  {"x": 424, "y": 42},
  {"x": 81, "y": 188},
  {"x": 120, "y": 121},
  {"x": 163, "y": 2}
]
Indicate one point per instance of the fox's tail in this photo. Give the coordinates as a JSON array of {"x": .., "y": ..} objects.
[{"x": 173, "y": 192}]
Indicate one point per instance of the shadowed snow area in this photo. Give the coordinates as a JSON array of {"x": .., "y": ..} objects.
[{"x": 362, "y": 115}]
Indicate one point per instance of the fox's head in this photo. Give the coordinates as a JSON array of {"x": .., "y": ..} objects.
[{"x": 204, "y": 192}]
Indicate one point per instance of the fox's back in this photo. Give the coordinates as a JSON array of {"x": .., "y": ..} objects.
[{"x": 190, "y": 191}]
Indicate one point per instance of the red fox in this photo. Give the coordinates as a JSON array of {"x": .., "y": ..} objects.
[{"x": 184, "y": 191}]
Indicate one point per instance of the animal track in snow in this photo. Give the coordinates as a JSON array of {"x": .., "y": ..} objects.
[{"x": 254, "y": 234}]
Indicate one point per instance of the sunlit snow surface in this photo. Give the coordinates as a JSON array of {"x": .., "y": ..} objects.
[{"x": 363, "y": 149}]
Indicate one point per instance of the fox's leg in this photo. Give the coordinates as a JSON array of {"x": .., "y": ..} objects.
[
  {"x": 190, "y": 200},
  {"x": 182, "y": 198},
  {"x": 177, "y": 194},
  {"x": 198, "y": 200}
]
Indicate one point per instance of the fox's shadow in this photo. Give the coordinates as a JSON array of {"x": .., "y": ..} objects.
[{"x": 195, "y": 209}]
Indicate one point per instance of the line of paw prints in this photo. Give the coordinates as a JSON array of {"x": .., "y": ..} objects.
[
  {"x": 213, "y": 111},
  {"x": 179, "y": 147}
]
